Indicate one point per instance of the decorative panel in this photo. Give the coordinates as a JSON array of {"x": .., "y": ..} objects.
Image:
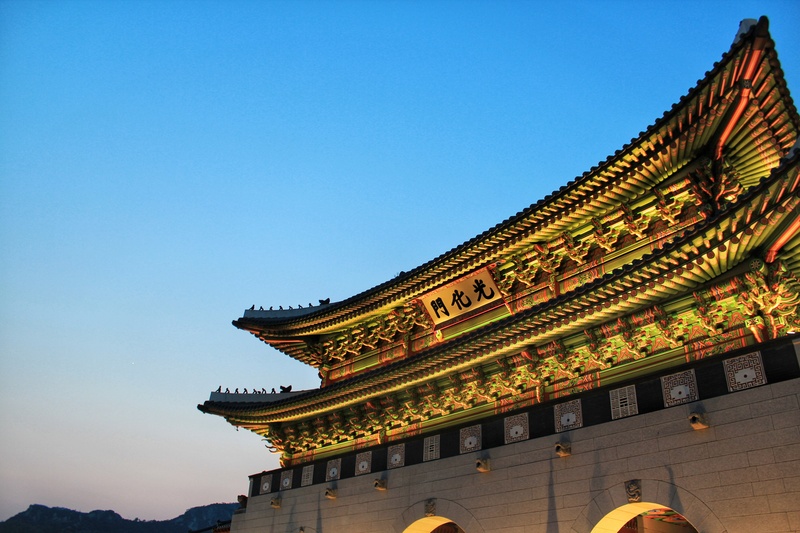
[
  {"x": 568, "y": 415},
  {"x": 623, "y": 402},
  {"x": 286, "y": 479},
  {"x": 744, "y": 372},
  {"x": 431, "y": 449},
  {"x": 679, "y": 388},
  {"x": 308, "y": 475},
  {"x": 266, "y": 483},
  {"x": 396, "y": 456},
  {"x": 470, "y": 439},
  {"x": 516, "y": 428},
  {"x": 333, "y": 470},
  {"x": 363, "y": 463}
]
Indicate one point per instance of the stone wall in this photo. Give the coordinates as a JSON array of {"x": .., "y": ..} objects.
[{"x": 741, "y": 474}]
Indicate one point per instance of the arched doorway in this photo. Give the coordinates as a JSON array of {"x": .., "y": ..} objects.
[
  {"x": 433, "y": 524},
  {"x": 644, "y": 517},
  {"x": 610, "y": 510},
  {"x": 431, "y": 514}
]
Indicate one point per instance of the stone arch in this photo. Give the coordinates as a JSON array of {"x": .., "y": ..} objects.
[
  {"x": 427, "y": 524},
  {"x": 613, "y": 521},
  {"x": 415, "y": 520},
  {"x": 612, "y": 505}
]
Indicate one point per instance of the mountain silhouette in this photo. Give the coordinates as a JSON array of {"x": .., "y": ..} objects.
[{"x": 43, "y": 519}]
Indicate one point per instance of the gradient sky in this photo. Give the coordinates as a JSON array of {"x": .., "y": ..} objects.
[{"x": 166, "y": 164}]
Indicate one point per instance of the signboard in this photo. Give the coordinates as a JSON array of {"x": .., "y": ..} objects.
[{"x": 465, "y": 295}]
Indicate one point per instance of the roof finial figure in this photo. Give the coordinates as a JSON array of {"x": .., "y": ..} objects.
[
  {"x": 793, "y": 150},
  {"x": 744, "y": 27}
]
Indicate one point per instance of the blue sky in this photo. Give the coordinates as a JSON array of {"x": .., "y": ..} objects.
[{"x": 166, "y": 164}]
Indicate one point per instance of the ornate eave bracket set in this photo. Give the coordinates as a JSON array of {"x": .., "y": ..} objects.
[
  {"x": 553, "y": 422},
  {"x": 681, "y": 246}
]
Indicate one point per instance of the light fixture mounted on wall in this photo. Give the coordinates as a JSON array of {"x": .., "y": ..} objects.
[
  {"x": 563, "y": 449},
  {"x": 698, "y": 421},
  {"x": 482, "y": 465}
]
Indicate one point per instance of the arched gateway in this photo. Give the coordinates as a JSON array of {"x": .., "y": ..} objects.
[
  {"x": 437, "y": 515},
  {"x": 629, "y": 338},
  {"x": 644, "y": 517},
  {"x": 433, "y": 524},
  {"x": 612, "y": 510}
]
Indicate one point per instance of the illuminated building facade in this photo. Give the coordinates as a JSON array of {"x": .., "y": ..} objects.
[{"x": 619, "y": 356}]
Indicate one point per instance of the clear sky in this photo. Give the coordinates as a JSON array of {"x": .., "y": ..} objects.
[{"x": 166, "y": 164}]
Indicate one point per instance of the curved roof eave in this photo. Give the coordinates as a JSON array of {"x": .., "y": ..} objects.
[
  {"x": 357, "y": 388},
  {"x": 464, "y": 256}
]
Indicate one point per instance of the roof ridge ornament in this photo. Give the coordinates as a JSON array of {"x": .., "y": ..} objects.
[
  {"x": 794, "y": 150},
  {"x": 744, "y": 27}
]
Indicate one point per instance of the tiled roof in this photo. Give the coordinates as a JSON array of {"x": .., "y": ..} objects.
[
  {"x": 663, "y": 149},
  {"x": 765, "y": 131},
  {"x": 556, "y": 317}
]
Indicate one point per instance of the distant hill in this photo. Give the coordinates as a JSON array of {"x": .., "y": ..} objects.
[{"x": 42, "y": 519}]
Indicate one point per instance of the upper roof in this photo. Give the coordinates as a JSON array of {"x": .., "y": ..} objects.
[
  {"x": 684, "y": 262},
  {"x": 740, "y": 110},
  {"x": 739, "y": 114}
]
